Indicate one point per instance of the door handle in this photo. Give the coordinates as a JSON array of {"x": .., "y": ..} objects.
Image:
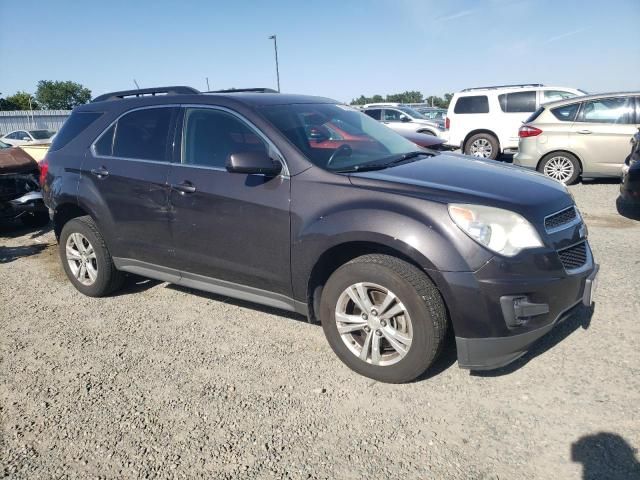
[
  {"x": 584, "y": 132},
  {"x": 184, "y": 187},
  {"x": 100, "y": 172}
]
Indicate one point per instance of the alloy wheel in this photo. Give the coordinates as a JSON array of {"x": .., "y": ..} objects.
[
  {"x": 81, "y": 258},
  {"x": 373, "y": 324},
  {"x": 559, "y": 168},
  {"x": 481, "y": 147}
]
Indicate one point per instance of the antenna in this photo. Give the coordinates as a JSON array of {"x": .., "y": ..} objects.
[
  {"x": 137, "y": 86},
  {"x": 207, "y": 83}
]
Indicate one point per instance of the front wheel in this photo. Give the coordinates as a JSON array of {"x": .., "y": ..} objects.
[{"x": 383, "y": 318}]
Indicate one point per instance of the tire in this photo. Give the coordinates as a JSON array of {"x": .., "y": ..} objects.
[
  {"x": 35, "y": 220},
  {"x": 483, "y": 145},
  {"x": 423, "y": 318},
  {"x": 561, "y": 166},
  {"x": 106, "y": 279}
]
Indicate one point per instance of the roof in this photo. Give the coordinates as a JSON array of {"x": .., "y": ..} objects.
[{"x": 595, "y": 96}]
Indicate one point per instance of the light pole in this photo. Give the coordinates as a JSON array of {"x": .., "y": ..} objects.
[{"x": 275, "y": 47}]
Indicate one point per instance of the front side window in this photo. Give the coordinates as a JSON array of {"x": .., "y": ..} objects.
[
  {"x": 472, "y": 104},
  {"x": 143, "y": 134},
  {"x": 553, "y": 95},
  {"x": 41, "y": 134},
  {"x": 566, "y": 113},
  {"x": 376, "y": 113},
  {"x": 211, "y": 136},
  {"x": 607, "y": 110},
  {"x": 518, "y": 102},
  {"x": 392, "y": 115}
]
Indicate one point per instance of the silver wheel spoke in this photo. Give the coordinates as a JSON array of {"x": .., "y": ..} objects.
[
  {"x": 386, "y": 303},
  {"x": 73, "y": 254},
  {"x": 375, "y": 349},
  {"x": 81, "y": 272},
  {"x": 396, "y": 310},
  {"x": 364, "y": 353},
  {"x": 81, "y": 258},
  {"x": 398, "y": 342},
  {"x": 92, "y": 272},
  {"x": 358, "y": 294}
]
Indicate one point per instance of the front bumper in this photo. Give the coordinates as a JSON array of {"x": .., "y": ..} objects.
[
  {"x": 498, "y": 311},
  {"x": 30, "y": 202}
]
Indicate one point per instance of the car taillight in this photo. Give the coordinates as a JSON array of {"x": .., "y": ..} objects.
[
  {"x": 447, "y": 123},
  {"x": 528, "y": 131},
  {"x": 44, "y": 169}
]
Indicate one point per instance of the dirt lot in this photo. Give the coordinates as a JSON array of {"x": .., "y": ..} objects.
[{"x": 163, "y": 382}]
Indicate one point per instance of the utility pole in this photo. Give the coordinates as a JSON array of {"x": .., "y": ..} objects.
[{"x": 275, "y": 47}]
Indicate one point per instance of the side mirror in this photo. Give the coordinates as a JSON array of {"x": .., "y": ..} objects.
[
  {"x": 26, "y": 139},
  {"x": 253, "y": 162},
  {"x": 404, "y": 118}
]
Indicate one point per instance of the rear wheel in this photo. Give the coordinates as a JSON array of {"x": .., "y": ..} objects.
[
  {"x": 482, "y": 145},
  {"x": 86, "y": 259},
  {"x": 383, "y": 318},
  {"x": 561, "y": 166}
]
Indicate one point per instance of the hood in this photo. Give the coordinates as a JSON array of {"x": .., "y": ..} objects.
[
  {"x": 16, "y": 160},
  {"x": 450, "y": 177},
  {"x": 422, "y": 139}
]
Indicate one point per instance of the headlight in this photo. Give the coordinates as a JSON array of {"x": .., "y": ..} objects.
[{"x": 501, "y": 231}]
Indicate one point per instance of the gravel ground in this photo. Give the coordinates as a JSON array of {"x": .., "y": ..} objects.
[{"x": 164, "y": 382}]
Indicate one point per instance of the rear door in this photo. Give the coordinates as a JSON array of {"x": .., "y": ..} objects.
[
  {"x": 230, "y": 227},
  {"x": 601, "y": 133},
  {"x": 125, "y": 175}
]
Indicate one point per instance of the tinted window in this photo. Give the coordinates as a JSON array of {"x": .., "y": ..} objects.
[
  {"x": 211, "y": 136},
  {"x": 392, "y": 115},
  {"x": 143, "y": 134},
  {"x": 41, "y": 134},
  {"x": 72, "y": 127},
  {"x": 474, "y": 104},
  {"x": 566, "y": 113},
  {"x": 518, "y": 102},
  {"x": 607, "y": 110},
  {"x": 553, "y": 95},
  {"x": 376, "y": 113},
  {"x": 104, "y": 146}
]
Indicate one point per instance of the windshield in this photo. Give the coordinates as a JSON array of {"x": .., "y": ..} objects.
[
  {"x": 413, "y": 113},
  {"x": 433, "y": 114},
  {"x": 338, "y": 137},
  {"x": 41, "y": 134}
]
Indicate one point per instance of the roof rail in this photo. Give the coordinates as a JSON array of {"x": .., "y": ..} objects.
[
  {"x": 493, "y": 87},
  {"x": 254, "y": 90},
  {"x": 141, "y": 92}
]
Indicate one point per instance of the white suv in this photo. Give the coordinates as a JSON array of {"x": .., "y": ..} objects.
[{"x": 484, "y": 121}]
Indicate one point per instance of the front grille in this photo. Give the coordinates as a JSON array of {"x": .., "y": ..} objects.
[
  {"x": 574, "y": 257},
  {"x": 557, "y": 220}
]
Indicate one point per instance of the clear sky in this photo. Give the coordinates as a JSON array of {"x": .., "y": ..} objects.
[{"x": 334, "y": 48}]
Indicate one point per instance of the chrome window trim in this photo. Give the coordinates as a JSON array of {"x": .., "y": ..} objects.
[
  {"x": 249, "y": 123},
  {"x": 564, "y": 226},
  {"x": 95, "y": 154}
]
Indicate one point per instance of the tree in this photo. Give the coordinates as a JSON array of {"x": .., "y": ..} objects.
[
  {"x": 412, "y": 96},
  {"x": 406, "y": 97},
  {"x": 55, "y": 95},
  {"x": 18, "y": 101}
]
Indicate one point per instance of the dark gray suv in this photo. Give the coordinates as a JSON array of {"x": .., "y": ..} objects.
[{"x": 308, "y": 205}]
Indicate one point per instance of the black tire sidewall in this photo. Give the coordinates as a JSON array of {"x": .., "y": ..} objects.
[
  {"x": 572, "y": 158},
  {"x": 495, "y": 148},
  {"x": 101, "y": 286},
  {"x": 423, "y": 346}
]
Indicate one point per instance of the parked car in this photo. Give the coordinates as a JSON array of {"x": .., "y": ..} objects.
[
  {"x": 425, "y": 140},
  {"x": 388, "y": 247},
  {"x": 404, "y": 119},
  {"x": 20, "y": 195},
  {"x": 28, "y": 137},
  {"x": 586, "y": 136},
  {"x": 435, "y": 114},
  {"x": 630, "y": 186},
  {"x": 484, "y": 121}
]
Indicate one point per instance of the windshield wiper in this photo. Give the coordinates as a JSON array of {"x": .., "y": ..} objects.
[
  {"x": 407, "y": 156},
  {"x": 367, "y": 167}
]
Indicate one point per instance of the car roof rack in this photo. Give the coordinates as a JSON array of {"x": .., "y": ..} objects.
[
  {"x": 142, "y": 92},
  {"x": 254, "y": 90},
  {"x": 494, "y": 87}
]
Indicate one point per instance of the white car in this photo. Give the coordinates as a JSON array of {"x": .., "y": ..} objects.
[
  {"x": 484, "y": 121},
  {"x": 28, "y": 137}
]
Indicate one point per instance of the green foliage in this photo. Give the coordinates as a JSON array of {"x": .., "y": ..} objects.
[
  {"x": 56, "y": 95},
  {"x": 18, "y": 101},
  {"x": 405, "y": 97}
]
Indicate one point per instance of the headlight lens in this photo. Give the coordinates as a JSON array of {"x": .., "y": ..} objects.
[{"x": 502, "y": 231}]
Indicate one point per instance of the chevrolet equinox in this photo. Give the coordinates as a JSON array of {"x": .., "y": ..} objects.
[{"x": 386, "y": 244}]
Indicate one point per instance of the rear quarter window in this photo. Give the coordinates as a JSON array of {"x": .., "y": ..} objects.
[
  {"x": 566, "y": 113},
  {"x": 534, "y": 115},
  {"x": 517, "y": 102},
  {"x": 472, "y": 104},
  {"x": 73, "y": 126}
]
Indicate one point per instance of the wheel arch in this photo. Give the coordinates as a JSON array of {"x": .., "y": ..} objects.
[
  {"x": 477, "y": 131},
  {"x": 553, "y": 152},
  {"x": 65, "y": 212}
]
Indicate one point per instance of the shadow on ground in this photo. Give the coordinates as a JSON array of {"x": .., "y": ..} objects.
[
  {"x": 9, "y": 254},
  {"x": 15, "y": 228},
  {"x": 606, "y": 455},
  {"x": 581, "y": 318}
]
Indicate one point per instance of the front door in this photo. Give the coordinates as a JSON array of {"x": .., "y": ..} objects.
[
  {"x": 601, "y": 134},
  {"x": 227, "y": 226}
]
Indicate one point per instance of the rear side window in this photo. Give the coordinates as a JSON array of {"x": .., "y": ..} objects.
[
  {"x": 567, "y": 113},
  {"x": 534, "y": 115},
  {"x": 518, "y": 102},
  {"x": 553, "y": 95},
  {"x": 73, "y": 126},
  {"x": 141, "y": 134},
  {"x": 375, "y": 114},
  {"x": 473, "y": 104}
]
